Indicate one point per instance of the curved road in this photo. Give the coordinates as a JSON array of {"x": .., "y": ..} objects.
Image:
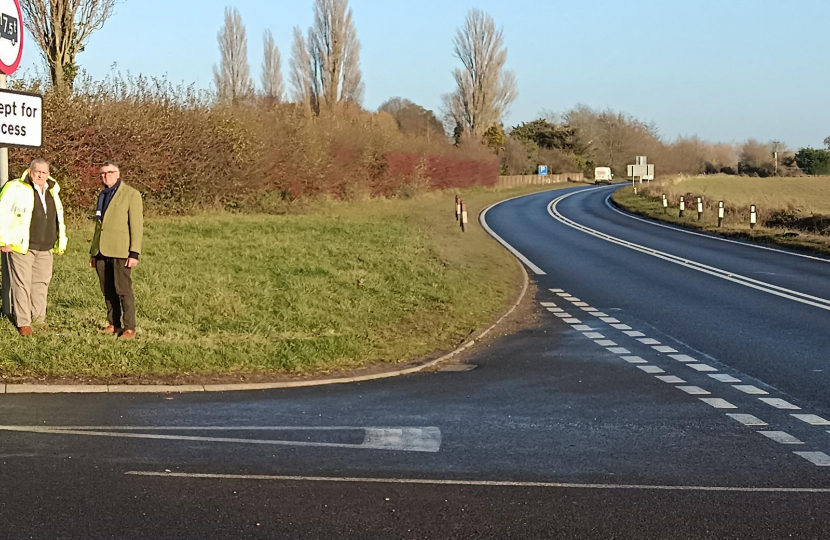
[{"x": 674, "y": 387}]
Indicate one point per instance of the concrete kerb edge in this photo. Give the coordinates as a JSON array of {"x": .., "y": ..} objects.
[{"x": 163, "y": 389}]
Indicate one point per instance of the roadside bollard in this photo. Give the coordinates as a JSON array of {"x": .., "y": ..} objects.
[
  {"x": 463, "y": 217},
  {"x": 457, "y": 208},
  {"x": 682, "y": 205},
  {"x": 753, "y": 216},
  {"x": 665, "y": 204},
  {"x": 699, "y": 208},
  {"x": 720, "y": 214}
]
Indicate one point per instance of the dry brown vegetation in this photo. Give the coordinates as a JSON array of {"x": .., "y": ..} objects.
[{"x": 185, "y": 153}]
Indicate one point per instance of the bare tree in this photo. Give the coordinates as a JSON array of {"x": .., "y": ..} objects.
[
  {"x": 827, "y": 142},
  {"x": 334, "y": 51},
  {"x": 233, "y": 76},
  {"x": 62, "y": 29},
  {"x": 301, "y": 73},
  {"x": 271, "y": 69},
  {"x": 484, "y": 89},
  {"x": 413, "y": 119}
]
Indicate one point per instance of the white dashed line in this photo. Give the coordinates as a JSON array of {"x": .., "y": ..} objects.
[
  {"x": 718, "y": 403},
  {"x": 572, "y": 321},
  {"x": 609, "y": 320},
  {"x": 664, "y": 349},
  {"x": 648, "y": 341},
  {"x": 671, "y": 379},
  {"x": 634, "y": 360},
  {"x": 780, "y": 404},
  {"x": 582, "y": 327},
  {"x": 694, "y": 390},
  {"x": 562, "y": 294},
  {"x": 605, "y": 343},
  {"x": 589, "y": 309},
  {"x": 747, "y": 419},
  {"x": 547, "y": 304},
  {"x": 619, "y": 350},
  {"x": 816, "y": 458},
  {"x": 621, "y": 326},
  {"x": 781, "y": 437},
  {"x": 599, "y": 314},
  {"x": 556, "y": 290},
  {"x": 556, "y": 310},
  {"x": 723, "y": 377},
  {"x": 562, "y": 315},
  {"x": 580, "y": 304},
  {"x": 651, "y": 369},
  {"x": 749, "y": 389},
  {"x": 702, "y": 367},
  {"x": 571, "y": 299},
  {"x": 593, "y": 335},
  {"x": 682, "y": 358},
  {"x": 634, "y": 334},
  {"x": 812, "y": 419}
]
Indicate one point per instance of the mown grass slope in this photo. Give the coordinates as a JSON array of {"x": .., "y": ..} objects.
[{"x": 345, "y": 285}]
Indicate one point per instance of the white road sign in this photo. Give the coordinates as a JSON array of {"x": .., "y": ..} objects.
[
  {"x": 11, "y": 36},
  {"x": 21, "y": 119}
]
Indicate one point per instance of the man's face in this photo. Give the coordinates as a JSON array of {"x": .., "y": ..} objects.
[
  {"x": 109, "y": 175},
  {"x": 39, "y": 174}
]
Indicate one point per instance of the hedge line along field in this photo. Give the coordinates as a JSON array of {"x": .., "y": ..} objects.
[
  {"x": 343, "y": 286},
  {"x": 791, "y": 211}
]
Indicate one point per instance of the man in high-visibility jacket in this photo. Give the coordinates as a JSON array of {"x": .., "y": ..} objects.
[{"x": 32, "y": 228}]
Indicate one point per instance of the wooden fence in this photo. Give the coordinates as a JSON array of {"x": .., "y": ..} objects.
[{"x": 535, "y": 179}]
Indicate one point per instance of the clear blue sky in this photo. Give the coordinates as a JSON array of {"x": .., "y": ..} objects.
[{"x": 724, "y": 70}]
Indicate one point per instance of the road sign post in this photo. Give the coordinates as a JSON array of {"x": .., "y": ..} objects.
[{"x": 11, "y": 52}]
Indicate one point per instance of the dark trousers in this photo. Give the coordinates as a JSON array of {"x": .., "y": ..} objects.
[{"x": 117, "y": 286}]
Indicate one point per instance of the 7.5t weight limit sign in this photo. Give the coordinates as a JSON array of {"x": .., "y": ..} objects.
[{"x": 11, "y": 36}]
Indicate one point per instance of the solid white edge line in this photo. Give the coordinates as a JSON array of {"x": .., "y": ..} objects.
[
  {"x": 769, "y": 288},
  {"x": 475, "y": 483},
  {"x": 483, "y": 220},
  {"x": 709, "y": 236}
]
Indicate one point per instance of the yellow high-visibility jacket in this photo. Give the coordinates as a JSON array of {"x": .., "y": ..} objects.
[{"x": 17, "y": 202}]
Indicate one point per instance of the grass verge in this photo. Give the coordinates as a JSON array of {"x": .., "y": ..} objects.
[
  {"x": 344, "y": 286},
  {"x": 648, "y": 203}
]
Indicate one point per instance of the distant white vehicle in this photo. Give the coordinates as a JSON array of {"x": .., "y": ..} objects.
[{"x": 603, "y": 174}]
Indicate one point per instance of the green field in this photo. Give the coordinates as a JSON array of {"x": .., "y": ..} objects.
[
  {"x": 346, "y": 285},
  {"x": 791, "y": 211}
]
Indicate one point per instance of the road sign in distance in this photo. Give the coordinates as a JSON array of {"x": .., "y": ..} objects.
[
  {"x": 11, "y": 36},
  {"x": 21, "y": 119},
  {"x": 543, "y": 170}
]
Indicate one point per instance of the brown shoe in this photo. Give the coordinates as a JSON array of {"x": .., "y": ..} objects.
[
  {"x": 25, "y": 331},
  {"x": 109, "y": 330},
  {"x": 127, "y": 335}
]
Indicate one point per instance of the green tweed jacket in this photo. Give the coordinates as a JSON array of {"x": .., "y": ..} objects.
[{"x": 121, "y": 231}]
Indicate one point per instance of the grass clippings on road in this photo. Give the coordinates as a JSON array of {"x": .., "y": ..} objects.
[
  {"x": 344, "y": 286},
  {"x": 789, "y": 209}
]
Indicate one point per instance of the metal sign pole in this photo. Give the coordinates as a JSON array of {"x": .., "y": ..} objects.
[{"x": 4, "y": 177}]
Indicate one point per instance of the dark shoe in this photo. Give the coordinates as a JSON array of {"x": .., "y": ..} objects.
[
  {"x": 25, "y": 331},
  {"x": 109, "y": 330},
  {"x": 127, "y": 335}
]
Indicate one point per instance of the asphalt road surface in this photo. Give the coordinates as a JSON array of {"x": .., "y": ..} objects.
[{"x": 676, "y": 387}]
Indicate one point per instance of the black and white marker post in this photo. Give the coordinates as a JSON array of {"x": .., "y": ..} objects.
[
  {"x": 457, "y": 208},
  {"x": 682, "y": 205},
  {"x": 720, "y": 214},
  {"x": 753, "y": 216},
  {"x": 699, "y": 208},
  {"x": 665, "y": 204},
  {"x": 463, "y": 217}
]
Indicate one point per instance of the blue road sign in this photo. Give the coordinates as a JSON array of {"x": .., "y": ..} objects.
[{"x": 543, "y": 170}]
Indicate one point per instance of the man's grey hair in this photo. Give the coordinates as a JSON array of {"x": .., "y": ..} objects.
[
  {"x": 110, "y": 164},
  {"x": 36, "y": 162}
]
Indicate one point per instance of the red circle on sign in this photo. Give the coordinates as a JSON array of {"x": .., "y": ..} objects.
[{"x": 8, "y": 70}]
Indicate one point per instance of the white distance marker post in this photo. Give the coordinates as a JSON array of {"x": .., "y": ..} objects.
[
  {"x": 753, "y": 216},
  {"x": 699, "y": 208},
  {"x": 665, "y": 204},
  {"x": 682, "y": 205},
  {"x": 720, "y": 214}
]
